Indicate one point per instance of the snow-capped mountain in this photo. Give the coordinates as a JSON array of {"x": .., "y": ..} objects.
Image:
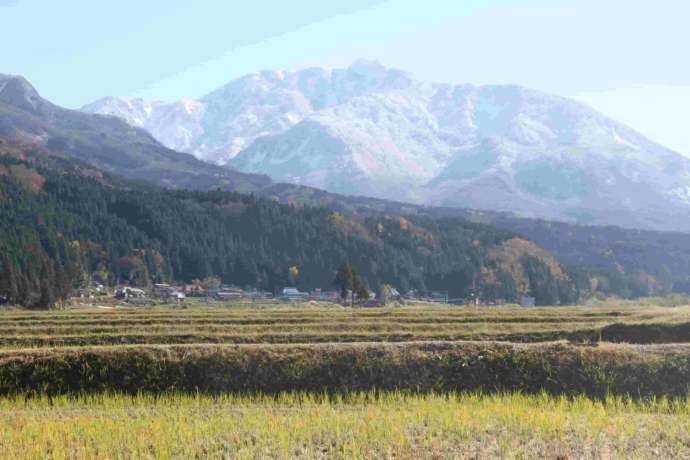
[
  {"x": 371, "y": 130},
  {"x": 223, "y": 123},
  {"x": 176, "y": 125}
]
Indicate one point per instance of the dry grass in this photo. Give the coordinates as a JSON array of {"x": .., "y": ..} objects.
[
  {"x": 359, "y": 425},
  {"x": 308, "y": 323}
]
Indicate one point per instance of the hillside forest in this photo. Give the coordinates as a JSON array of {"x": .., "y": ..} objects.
[{"x": 66, "y": 224}]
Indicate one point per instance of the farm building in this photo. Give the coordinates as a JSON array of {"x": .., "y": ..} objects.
[
  {"x": 292, "y": 293},
  {"x": 527, "y": 301},
  {"x": 127, "y": 293}
]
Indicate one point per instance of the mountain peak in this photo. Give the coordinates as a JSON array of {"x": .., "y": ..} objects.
[
  {"x": 368, "y": 66},
  {"x": 16, "y": 90}
]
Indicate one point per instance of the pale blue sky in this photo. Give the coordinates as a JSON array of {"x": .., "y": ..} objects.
[{"x": 627, "y": 58}]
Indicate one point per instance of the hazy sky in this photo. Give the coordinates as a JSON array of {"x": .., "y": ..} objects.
[{"x": 627, "y": 58}]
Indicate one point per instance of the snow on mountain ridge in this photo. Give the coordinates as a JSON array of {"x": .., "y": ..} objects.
[
  {"x": 175, "y": 124},
  {"x": 371, "y": 130},
  {"x": 230, "y": 118}
]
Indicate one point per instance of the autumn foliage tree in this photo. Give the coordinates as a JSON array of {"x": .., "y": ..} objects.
[{"x": 293, "y": 274}]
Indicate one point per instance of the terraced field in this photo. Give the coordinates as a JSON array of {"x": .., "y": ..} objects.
[
  {"x": 322, "y": 381},
  {"x": 309, "y": 324}
]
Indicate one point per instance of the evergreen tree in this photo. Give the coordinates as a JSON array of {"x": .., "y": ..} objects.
[
  {"x": 8, "y": 279},
  {"x": 347, "y": 280},
  {"x": 344, "y": 280}
]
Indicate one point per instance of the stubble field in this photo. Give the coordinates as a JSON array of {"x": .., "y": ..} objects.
[{"x": 321, "y": 381}]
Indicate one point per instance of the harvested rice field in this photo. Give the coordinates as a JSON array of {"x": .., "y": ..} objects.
[
  {"x": 308, "y": 324},
  {"x": 358, "y": 425},
  {"x": 323, "y": 381}
]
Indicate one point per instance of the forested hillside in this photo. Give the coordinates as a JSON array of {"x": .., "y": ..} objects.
[
  {"x": 634, "y": 262},
  {"x": 622, "y": 261},
  {"x": 65, "y": 223}
]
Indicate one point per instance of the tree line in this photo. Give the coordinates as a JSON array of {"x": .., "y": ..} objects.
[{"x": 76, "y": 225}]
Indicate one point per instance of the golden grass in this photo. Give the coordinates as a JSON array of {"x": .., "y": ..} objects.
[{"x": 359, "y": 425}]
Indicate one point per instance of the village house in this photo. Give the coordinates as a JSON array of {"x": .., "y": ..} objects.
[
  {"x": 292, "y": 293},
  {"x": 229, "y": 293},
  {"x": 193, "y": 290},
  {"x": 527, "y": 301},
  {"x": 129, "y": 293},
  {"x": 173, "y": 295}
]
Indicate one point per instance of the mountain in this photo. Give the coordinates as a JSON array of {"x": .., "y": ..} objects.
[
  {"x": 66, "y": 223},
  {"x": 228, "y": 120},
  {"x": 371, "y": 130},
  {"x": 620, "y": 261},
  {"x": 106, "y": 142}
]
